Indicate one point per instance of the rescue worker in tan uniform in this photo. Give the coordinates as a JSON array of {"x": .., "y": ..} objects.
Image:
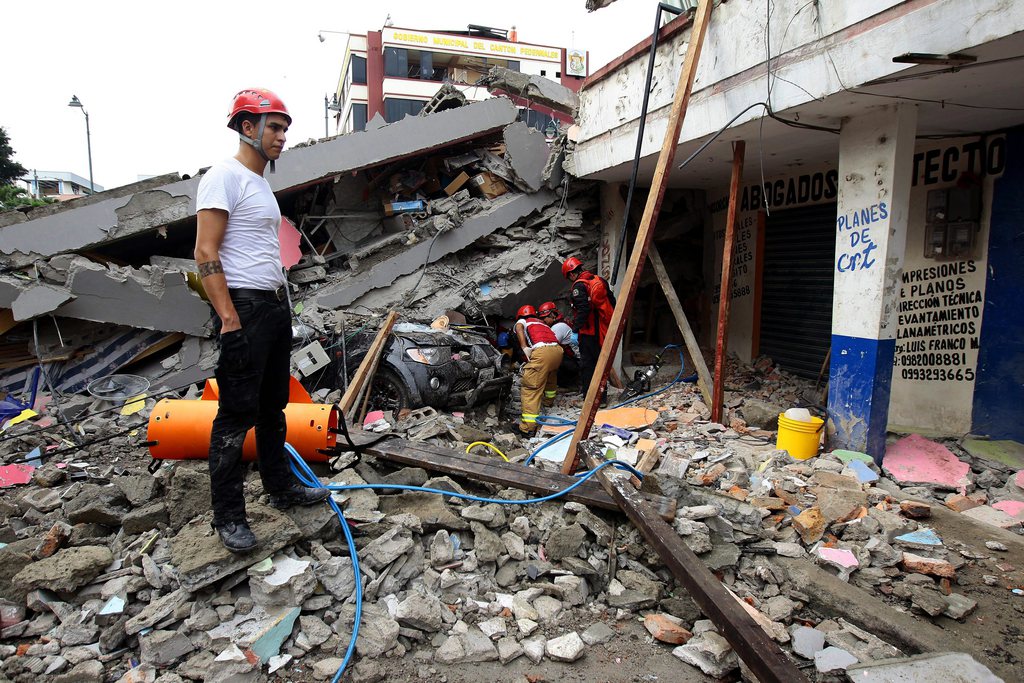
[{"x": 540, "y": 374}]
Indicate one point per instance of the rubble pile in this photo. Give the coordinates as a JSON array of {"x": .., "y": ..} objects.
[
  {"x": 109, "y": 571},
  {"x": 457, "y": 212}
]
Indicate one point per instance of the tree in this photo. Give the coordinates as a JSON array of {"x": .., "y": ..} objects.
[
  {"x": 12, "y": 196},
  {"x": 10, "y": 170}
]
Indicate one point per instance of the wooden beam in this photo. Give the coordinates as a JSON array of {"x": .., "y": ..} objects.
[
  {"x": 646, "y": 231},
  {"x": 496, "y": 471},
  {"x": 725, "y": 290},
  {"x": 762, "y": 656},
  {"x": 704, "y": 382},
  {"x": 367, "y": 365}
]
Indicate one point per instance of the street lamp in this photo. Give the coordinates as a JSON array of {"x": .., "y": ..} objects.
[
  {"x": 321, "y": 33},
  {"x": 75, "y": 102},
  {"x": 329, "y": 106}
]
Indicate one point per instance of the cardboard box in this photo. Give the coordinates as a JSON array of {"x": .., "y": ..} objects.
[
  {"x": 489, "y": 185},
  {"x": 454, "y": 186}
]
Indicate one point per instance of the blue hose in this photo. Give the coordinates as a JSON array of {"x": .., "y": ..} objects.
[
  {"x": 307, "y": 477},
  {"x": 559, "y": 421}
]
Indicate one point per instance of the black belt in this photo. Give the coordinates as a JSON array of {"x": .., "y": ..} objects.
[{"x": 275, "y": 295}]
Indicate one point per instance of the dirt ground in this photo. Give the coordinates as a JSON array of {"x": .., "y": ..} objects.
[{"x": 994, "y": 633}]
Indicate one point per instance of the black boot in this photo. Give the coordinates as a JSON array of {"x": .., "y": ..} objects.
[
  {"x": 297, "y": 495},
  {"x": 237, "y": 537}
]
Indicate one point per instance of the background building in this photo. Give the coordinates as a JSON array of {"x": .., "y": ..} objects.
[
  {"x": 59, "y": 185},
  {"x": 395, "y": 71}
]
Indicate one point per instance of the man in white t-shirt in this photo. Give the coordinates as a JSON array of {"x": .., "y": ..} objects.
[{"x": 239, "y": 259}]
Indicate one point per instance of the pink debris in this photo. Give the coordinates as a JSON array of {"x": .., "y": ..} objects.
[
  {"x": 1014, "y": 508},
  {"x": 288, "y": 238},
  {"x": 1018, "y": 479},
  {"x": 839, "y": 557},
  {"x": 12, "y": 475},
  {"x": 372, "y": 417},
  {"x": 916, "y": 460}
]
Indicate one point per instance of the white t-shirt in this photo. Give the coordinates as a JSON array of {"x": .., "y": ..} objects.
[
  {"x": 563, "y": 332},
  {"x": 251, "y": 251}
]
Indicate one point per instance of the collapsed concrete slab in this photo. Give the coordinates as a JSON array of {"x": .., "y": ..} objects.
[
  {"x": 95, "y": 223},
  {"x": 536, "y": 89},
  {"x": 107, "y": 220},
  {"x": 526, "y": 150},
  {"x": 407, "y": 138},
  {"x": 384, "y": 273},
  {"x": 39, "y": 300},
  {"x": 149, "y": 298}
]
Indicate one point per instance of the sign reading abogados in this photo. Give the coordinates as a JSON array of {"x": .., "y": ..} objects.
[{"x": 495, "y": 48}]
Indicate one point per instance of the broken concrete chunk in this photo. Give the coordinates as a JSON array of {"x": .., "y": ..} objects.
[
  {"x": 538, "y": 89},
  {"x": 833, "y": 659},
  {"x": 39, "y": 299},
  {"x": 526, "y": 150},
  {"x": 710, "y": 653},
  {"x": 807, "y": 642},
  {"x": 66, "y": 570},
  {"x": 289, "y": 583},
  {"x": 163, "y": 648},
  {"x": 201, "y": 559},
  {"x": 923, "y": 668},
  {"x": 423, "y": 612},
  {"x": 567, "y": 648}
]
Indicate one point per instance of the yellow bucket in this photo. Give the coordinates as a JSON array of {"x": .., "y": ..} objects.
[{"x": 801, "y": 439}]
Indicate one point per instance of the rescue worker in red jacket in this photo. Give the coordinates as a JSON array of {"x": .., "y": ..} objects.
[
  {"x": 593, "y": 304},
  {"x": 540, "y": 374}
]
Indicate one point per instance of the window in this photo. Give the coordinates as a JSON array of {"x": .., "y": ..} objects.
[
  {"x": 358, "y": 117},
  {"x": 513, "y": 65},
  {"x": 535, "y": 119},
  {"x": 358, "y": 70},
  {"x": 396, "y": 62},
  {"x": 396, "y": 109},
  {"x": 426, "y": 66}
]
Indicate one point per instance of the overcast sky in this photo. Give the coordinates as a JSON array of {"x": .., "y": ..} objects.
[{"x": 157, "y": 77}]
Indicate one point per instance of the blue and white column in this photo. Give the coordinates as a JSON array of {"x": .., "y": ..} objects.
[{"x": 876, "y": 151}]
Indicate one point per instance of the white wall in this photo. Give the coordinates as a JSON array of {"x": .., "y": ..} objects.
[
  {"x": 816, "y": 40},
  {"x": 933, "y": 380}
]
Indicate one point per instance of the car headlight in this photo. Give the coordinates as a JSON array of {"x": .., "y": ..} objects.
[{"x": 430, "y": 355}]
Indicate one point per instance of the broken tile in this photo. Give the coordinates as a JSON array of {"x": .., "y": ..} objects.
[{"x": 917, "y": 460}]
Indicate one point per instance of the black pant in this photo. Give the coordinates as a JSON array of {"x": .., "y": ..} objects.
[
  {"x": 252, "y": 378},
  {"x": 590, "y": 349},
  {"x": 569, "y": 372}
]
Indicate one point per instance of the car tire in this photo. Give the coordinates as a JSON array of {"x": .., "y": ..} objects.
[{"x": 389, "y": 392}]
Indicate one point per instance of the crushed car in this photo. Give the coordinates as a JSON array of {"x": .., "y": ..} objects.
[{"x": 421, "y": 366}]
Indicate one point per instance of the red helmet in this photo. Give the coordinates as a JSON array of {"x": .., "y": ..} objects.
[
  {"x": 571, "y": 264},
  {"x": 526, "y": 311},
  {"x": 547, "y": 307},
  {"x": 257, "y": 101}
]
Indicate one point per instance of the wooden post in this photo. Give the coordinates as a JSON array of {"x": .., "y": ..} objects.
[
  {"x": 703, "y": 374},
  {"x": 646, "y": 231},
  {"x": 725, "y": 291},
  {"x": 368, "y": 364}
]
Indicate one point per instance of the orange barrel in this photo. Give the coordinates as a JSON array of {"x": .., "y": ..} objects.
[{"x": 180, "y": 429}]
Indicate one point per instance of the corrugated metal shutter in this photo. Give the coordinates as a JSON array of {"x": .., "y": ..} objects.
[{"x": 796, "y": 299}]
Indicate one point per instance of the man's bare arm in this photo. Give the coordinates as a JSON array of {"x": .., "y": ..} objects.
[{"x": 211, "y": 226}]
